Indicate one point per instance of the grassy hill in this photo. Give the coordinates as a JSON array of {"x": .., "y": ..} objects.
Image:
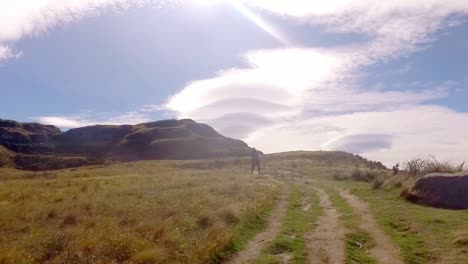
[
  {"x": 335, "y": 159},
  {"x": 41, "y": 147},
  {"x": 6, "y": 157}
]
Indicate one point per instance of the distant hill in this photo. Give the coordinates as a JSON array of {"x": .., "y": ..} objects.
[
  {"x": 40, "y": 147},
  {"x": 329, "y": 159}
]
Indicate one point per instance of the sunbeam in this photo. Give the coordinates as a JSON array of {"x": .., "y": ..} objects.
[
  {"x": 244, "y": 10},
  {"x": 253, "y": 17}
]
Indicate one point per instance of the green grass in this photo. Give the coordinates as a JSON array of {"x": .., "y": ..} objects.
[
  {"x": 141, "y": 212},
  {"x": 358, "y": 241},
  {"x": 296, "y": 224},
  {"x": 424, "y": 234}
]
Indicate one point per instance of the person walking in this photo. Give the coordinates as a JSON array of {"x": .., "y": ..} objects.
[{"x": 255, "y": 156}]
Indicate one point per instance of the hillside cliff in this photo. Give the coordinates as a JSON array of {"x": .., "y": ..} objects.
[{"x": 38, "y": 147}]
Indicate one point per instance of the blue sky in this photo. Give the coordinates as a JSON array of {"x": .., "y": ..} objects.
[{"x": 388, "y": 79}]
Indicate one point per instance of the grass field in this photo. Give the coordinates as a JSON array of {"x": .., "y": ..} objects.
[
  {"x": 142, "y": 212},
  {"x": 205, "y": 211},
  {"x": 424, "y": 234}
]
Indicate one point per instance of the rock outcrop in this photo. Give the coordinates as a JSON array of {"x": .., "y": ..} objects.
[
  {"x": 449, "y": 191},
  {"x": 40, "y": 147}
]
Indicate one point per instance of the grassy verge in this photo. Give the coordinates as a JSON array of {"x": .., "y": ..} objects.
[
  {"x": 358, "y": 241},
  {"x": 142, "y": 212},
  {"x": 290, "y": 243},
  {"x": 424, "y": 234}
]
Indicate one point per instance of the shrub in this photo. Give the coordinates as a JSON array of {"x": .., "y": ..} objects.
[
  {"x": 340, "y": 176},
  {"x": 204, "y": 221},
  {"x": 70, "y": 220},
  {"x": 359, "y": 175},
  {"x": 377, "y": 183},
  {"x": 420, "y": 167},
  {"x": 52, "y": 214},
  {"x": 462, "y": 240},
  {"x": 229, "y": 217}
]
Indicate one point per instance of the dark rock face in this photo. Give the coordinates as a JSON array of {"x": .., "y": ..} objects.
[
  {"x": 27, "y": 137},
  {"x": 166, "y": 139},
  {"x": 441, "y": 190}
]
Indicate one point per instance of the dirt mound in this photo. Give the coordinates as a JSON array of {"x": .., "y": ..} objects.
[{"x": 449, "y": 191}]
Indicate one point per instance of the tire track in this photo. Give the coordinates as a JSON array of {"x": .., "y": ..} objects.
[
  {"x": 385, "y": 251},
  {"x": 258, "y": 243},
  {"x": 326, "y": 243}
]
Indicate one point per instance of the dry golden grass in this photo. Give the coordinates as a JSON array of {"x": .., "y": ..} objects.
[{"x": 141, "y": 212}]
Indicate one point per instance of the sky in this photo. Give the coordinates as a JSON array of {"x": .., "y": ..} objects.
[{"x": 383, "y": 79}]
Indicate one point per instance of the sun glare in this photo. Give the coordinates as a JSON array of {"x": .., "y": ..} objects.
[
  {"x": 251, "y": 15},
  {"x": 208, "y": 2}
]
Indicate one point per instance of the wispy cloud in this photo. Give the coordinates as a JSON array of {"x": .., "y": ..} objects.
[
  {"x": 308, "y": 98},
  {"x": 89, "y": 118},
  {"x": 7, "y": 53},
  {"x": 297, "y": 97},
  {"x": 21, "y": 18}
]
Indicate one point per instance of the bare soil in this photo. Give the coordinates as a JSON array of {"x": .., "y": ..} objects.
[{"x": 258, "y": 243}]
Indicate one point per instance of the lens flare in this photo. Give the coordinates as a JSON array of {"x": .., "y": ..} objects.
[
  {"x": 256, "y": 19},
  {"x": 244, "y": 10}
]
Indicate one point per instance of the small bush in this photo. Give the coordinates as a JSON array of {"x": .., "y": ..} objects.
[
  {"x": 420, "y": 167},
  {"x": 70, "y": 220},
  {"x": 204, "y": 221},
  {"x": 462, "y": 240},
  {"x": 52, "y": 214},
  {"x": 229, "y": 217},
  {"x": 377, "y": 183},
  {"x": 340, "y": 176}
]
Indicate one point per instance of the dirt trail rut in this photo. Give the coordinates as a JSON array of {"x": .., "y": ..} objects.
[
  {"x": 385, "y": 251},
  {"x": 258, "y": 243},
  {"x": 326, "y": 243}
]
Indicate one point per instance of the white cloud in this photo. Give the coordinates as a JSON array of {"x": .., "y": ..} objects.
[
  {"x": 297, "y": 98},
  {"x": 411, "y": 132},
  {"x": 63, "y": 121},
  {"x": 308, "y": 98},
  {"x": 21, "y": 18},
  {"x": 88, "y": 119},
  {"x": 8, "y": 53},
  {"x": 396, "y": 27}
]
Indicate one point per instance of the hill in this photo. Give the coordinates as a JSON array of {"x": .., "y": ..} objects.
[
  {"x": 6, "y": 157},
  {"x": 39, "y": 147},
  {"x": 335, "y": 159}
]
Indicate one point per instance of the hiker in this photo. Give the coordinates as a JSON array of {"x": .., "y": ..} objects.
[{"x": 255, "y": 156}]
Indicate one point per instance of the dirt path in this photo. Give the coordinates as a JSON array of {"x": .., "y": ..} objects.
[
  {"x": 385, "y": 251},
  {"x": 326, "y": 243},
  {"x": 258, "y": 243}
]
